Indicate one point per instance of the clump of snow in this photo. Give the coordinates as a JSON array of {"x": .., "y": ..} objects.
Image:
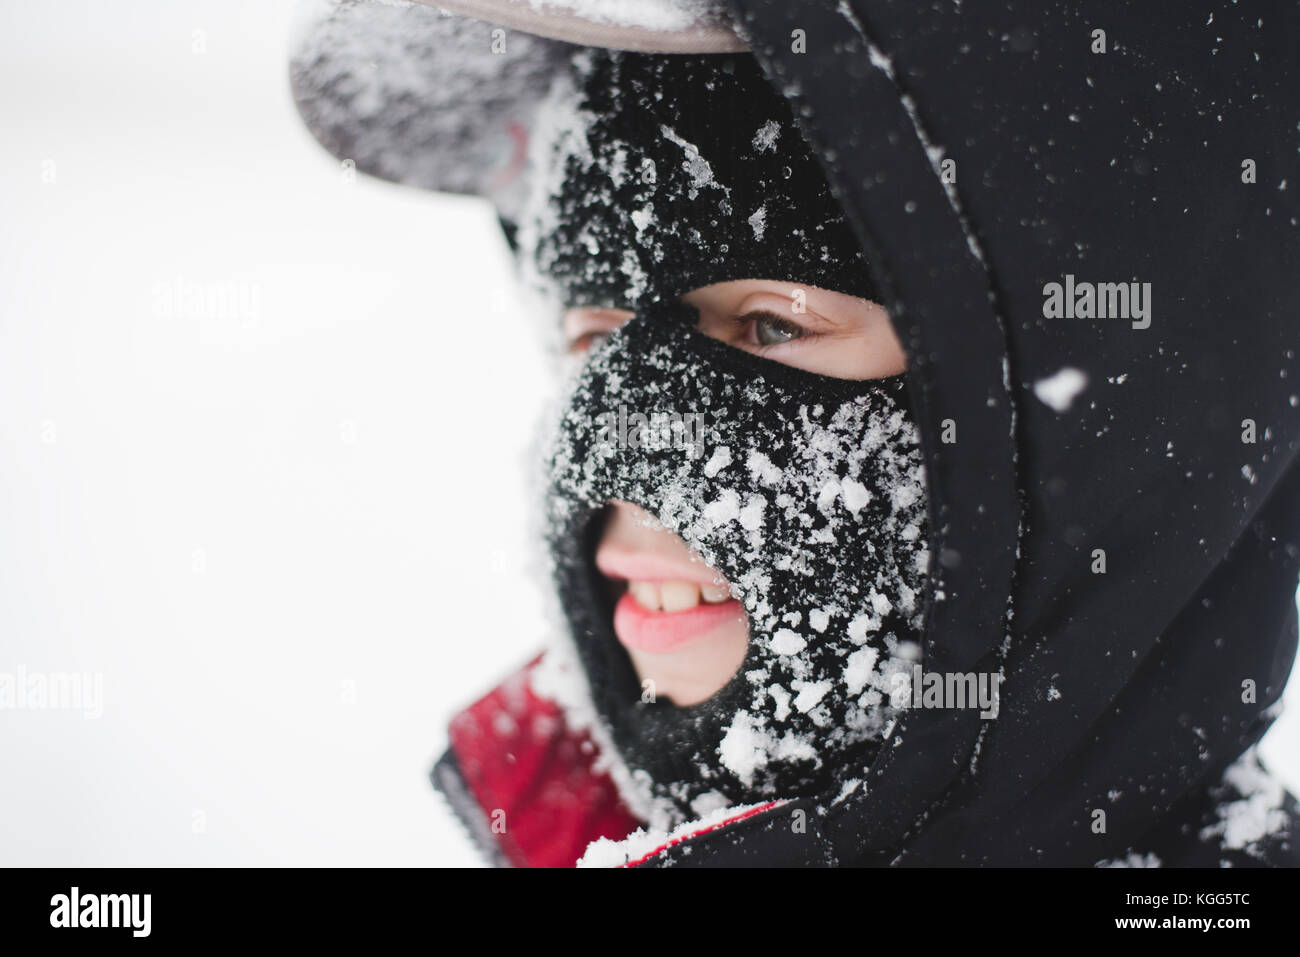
[
  {"x": 860, "y": 625},
  {"x": 787, "y": 642},
  {"x": 708, "y": 803},
  {"x": 642, "y": 219},
  {"x": 725, "y": 509},
  {"x": 856, "y": 495},
  {"x": 1059, "y": 390},
  {"x": 765, "y": 138},
  {"x": 1256, "y": 810},
  {"x": 761, "y": 467},
  {"x": 810, "y": 694},
  {"x": 699, "y": 169},
  {"x": 859, "y": 668},
  {"x": 720, "y": 459},
  {"x": 908, "y": 651},
  {"x": 751, "y": 516},
  {"x": 1131, "y": 860},
  {"x": 848, "y": 789},
  {"x": 745, "y": 747},
  {"x": 782, "y": 699},
  {"x": 604, "y": 852}
]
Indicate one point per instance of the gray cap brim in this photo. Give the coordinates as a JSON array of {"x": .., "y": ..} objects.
[{"x": 644, "y": 26}]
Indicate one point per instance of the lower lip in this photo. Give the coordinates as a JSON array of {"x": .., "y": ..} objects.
[{"x": 658, "y": 632}]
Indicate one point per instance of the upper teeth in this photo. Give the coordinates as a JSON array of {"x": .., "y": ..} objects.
[{"x": 676, "y": 595}]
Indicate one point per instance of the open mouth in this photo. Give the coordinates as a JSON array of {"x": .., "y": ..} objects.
[{"x": 665, "y": 602}]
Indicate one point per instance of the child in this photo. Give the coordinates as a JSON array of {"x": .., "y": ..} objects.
[{"x": 788, "y": 559}]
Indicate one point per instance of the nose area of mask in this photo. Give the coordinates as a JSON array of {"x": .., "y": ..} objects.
[{"x": 807, "y": 493}]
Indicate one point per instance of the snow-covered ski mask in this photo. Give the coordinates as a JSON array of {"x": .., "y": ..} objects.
[
  {"x": 807, "y": 494},
  {"x": 654, "y": 176}
]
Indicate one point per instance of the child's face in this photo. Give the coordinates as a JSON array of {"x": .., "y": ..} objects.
[{"x": 675, "y": 615}]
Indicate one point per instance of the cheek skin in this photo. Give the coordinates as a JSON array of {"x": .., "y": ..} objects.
[
  {"x": 585, "y": 321},
  {"x": 870, "y": 352}
]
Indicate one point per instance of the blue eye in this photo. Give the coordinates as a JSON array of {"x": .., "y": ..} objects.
[{"x": 771, "y": 330}]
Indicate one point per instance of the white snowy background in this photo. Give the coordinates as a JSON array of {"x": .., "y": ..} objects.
[{"x": 292, "y": 538}]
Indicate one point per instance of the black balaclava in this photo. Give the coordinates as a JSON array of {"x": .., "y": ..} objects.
[{"x": 656, "y": 175}]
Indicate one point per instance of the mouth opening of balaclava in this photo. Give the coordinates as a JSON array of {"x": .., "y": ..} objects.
[{"x": 653, "y": 176}]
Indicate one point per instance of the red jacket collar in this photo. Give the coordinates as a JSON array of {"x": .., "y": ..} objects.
[{"x": 535, "y": 787}]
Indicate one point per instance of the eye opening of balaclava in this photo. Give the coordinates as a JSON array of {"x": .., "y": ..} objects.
[{"x": 807, "y": 493}]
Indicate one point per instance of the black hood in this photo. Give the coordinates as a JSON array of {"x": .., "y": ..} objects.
[{"x": 1124, "y": 688}]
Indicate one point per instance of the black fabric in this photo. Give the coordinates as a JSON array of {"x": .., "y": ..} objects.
[
  {"x": 1125, "y": 689},
  {"x": 658, "y": 174},
  {"x": 807, "y": 494},
  {"x": 786, "y": 836}
]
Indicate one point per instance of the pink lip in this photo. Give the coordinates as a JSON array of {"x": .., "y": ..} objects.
[
  {"x": 615, "y": 562},
  {"x": 658, "y": 632}
]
